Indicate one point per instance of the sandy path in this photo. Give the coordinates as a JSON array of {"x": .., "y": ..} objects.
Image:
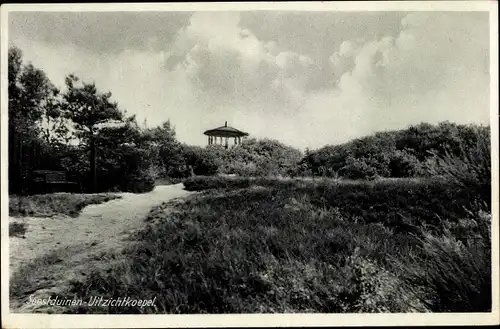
[{"x": 99, "y": 228}]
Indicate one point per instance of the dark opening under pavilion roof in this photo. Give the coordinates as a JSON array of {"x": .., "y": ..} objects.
[{"x": 225, "y": 131}]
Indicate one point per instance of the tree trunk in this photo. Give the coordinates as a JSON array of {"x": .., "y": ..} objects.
[
  {"x": 14, "y": 173},
  {"x": 20, "y": 177},
  {"x": 93, "y": 170}
]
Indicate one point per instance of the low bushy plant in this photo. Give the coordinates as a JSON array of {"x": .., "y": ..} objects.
[
  {"x": 17, "y": 229},
  {"x": 403, "y": 163},
  {"x": 422, "y": 150},
  {"x": 469, "y": 167},
  {"x": 199, "y": 161},
  {"x": 357, "y": 169},
  {"x": 46, "y": 205},
  {"x": 456, "y": 269},
  {"x": 139, "y": 183}
]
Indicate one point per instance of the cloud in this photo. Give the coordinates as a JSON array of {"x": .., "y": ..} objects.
[
  {"x": 99, "y": 32},
  {"x": 235, "y": 67},
  {"x": 429, "y": 72},
  {"x": 317, "y": 33}
]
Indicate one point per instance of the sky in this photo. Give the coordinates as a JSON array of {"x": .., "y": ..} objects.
[{"x": 307, "y": 79}]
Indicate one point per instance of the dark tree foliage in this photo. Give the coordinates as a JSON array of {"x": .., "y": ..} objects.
[
  {"x": 171, "y": 162},
  {"x": 32, "y": 97},
  {"x": 81, "y": 131}
]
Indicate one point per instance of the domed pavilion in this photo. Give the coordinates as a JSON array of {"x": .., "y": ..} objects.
[{"x": 221, "y": 135}]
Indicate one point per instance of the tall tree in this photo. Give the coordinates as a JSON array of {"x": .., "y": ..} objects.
[
  {"x": 54, "y": 126},
  {"x": 89, "y": 110},
  {"x": 29, "y": 92},
  {"x": 169, "y": 149}
]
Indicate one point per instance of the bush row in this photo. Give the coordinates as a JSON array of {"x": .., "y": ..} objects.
[{"x": 416, "y": 151}]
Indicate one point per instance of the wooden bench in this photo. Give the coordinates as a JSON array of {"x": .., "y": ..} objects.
[{"x": 52, "y": 181}]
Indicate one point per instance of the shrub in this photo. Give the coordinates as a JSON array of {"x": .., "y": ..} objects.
[
  {"x": 403, "y": 153},
  {"x": 17, "y": 229},
  {"x": 264, "y": 157},
  {"x": 458, "y": 273},
  {"x": 404, "y": 164},
  {"x": 139, "y": 183},
  {"x": 303, "y": 169},
  {"x": 370, "y": 288},
  {"x": 357, "y": 169},
  {"x": 202, "y": 161},
  {"x": 468, "y": 168},
  {"x": 215, "y": 182},
  {"x": 128, "y": 168},
  {"x": 45, "y": 205}
]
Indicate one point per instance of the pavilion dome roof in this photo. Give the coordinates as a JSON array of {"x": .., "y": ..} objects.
[{"x": 225, "y": 131}]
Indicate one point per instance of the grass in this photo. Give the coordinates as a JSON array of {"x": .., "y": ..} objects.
[
  {"x": 168, "y": 181},
  {"x": 48, "y": 275},
  {"x": 34, "y": 275},
  {"x": 272, "y": 245},
  {"x": 46, "y": 205},
  {"x": 404, "y": 204},
  {"x": 17, "y": 229},
  {"x": 458, "y": 273}
]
